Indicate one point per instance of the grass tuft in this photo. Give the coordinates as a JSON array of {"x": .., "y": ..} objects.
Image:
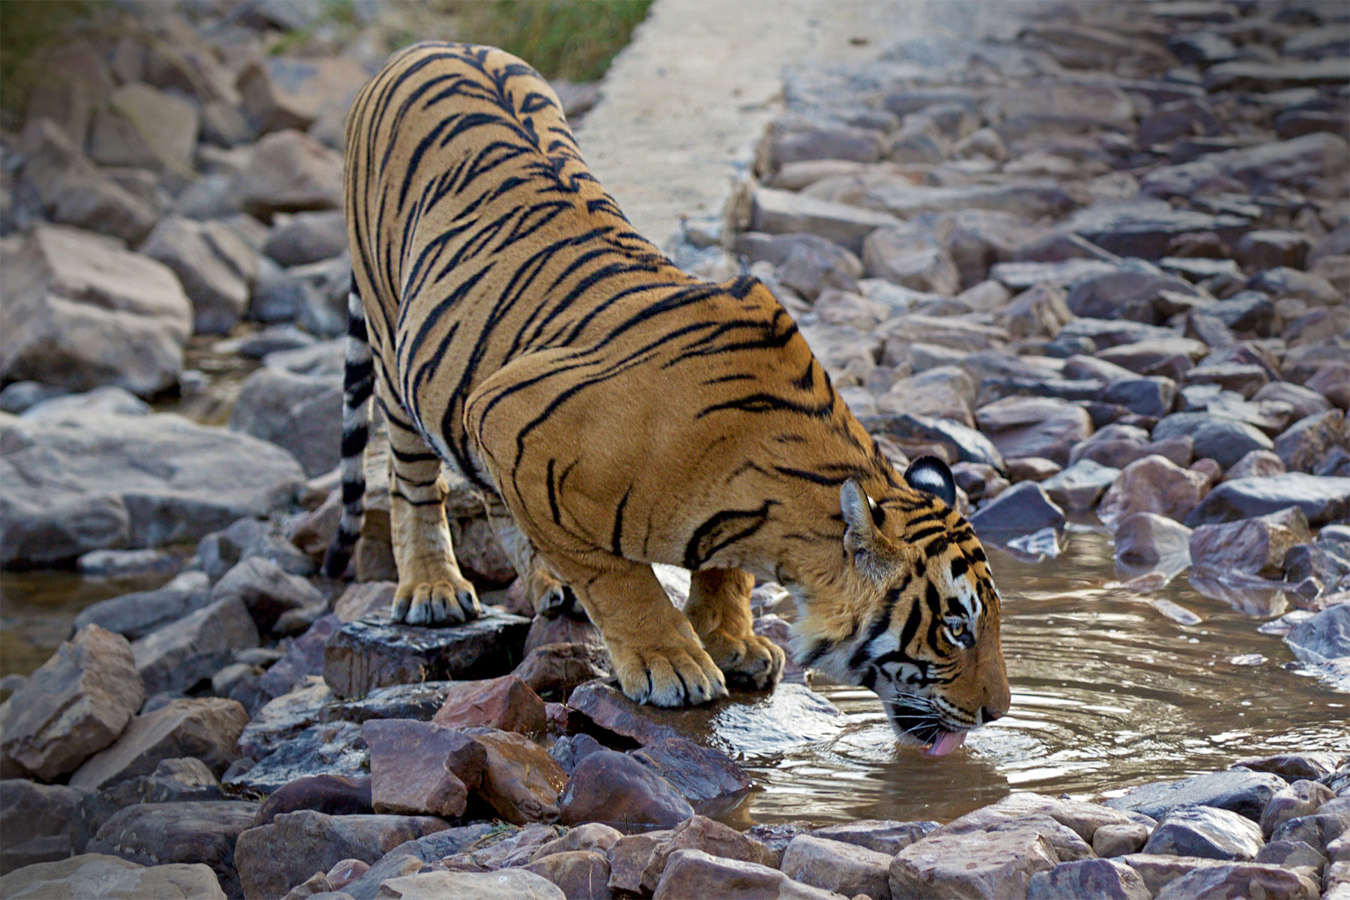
[{"x": 570, "y": 39}]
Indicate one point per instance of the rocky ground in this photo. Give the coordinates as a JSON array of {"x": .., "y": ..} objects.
[{"x": 1101, "y": 268}]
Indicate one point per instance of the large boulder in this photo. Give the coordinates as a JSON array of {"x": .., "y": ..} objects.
[
  {"x": 111, "y": 481},
  {"x": 81, "y": 312},
  {"x": 74, "y": 705}
]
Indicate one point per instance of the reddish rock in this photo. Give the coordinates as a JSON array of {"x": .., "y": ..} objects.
[
  {"x": 522, "y": 782},
  {"x": 628, "y": 858},
  {"x": 77, "y": 703},
  {"x": 1088, "y": 878},
  {"x": 570, "y": 628},
  {"x": 1255, "y": 546},
  {"x": 1152, "y": 484},
  {"x": 207, "y": 729},
  {"x": 974, "y": 864},
  {"x": 334, "y": 795},
  {"x": 582, "y": 874},
  {"x": 506, "y": 703},
  {"x": 693, "y": 873},
  {"x": 420, "y": 768},
  {"x": 1119, "y": 840},
  {"x": 713, "y": 838},
  {"x": 559, "y": 668},
  {"x": 1302, "y": 798},
  {"x": 618, "y": 790}
]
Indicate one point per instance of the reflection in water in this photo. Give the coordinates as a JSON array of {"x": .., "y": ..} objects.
[{"x": 1108, "y": 692}]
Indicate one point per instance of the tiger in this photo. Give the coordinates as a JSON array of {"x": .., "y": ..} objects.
[{"x": 614, "y": 413}]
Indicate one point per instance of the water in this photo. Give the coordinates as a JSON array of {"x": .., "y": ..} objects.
[{"x": 1108, "y": 693}]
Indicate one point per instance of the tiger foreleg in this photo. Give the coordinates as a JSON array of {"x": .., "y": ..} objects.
[
  {"x": 431, "y": 590},
  {"x": 719, "y": 611}
]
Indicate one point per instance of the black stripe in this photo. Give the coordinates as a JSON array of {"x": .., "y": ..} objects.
[
  {"x": 722, "y": 529},
  {"x": 552, "y": 494},
  {"x": 615, "y": 542},
  {"x": 354, "y": 441}
]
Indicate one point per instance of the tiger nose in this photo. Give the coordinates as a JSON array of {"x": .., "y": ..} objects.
[{"x": 989, "y": 714}]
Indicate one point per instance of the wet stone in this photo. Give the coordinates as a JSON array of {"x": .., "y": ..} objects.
[
  {"x": 1323, "y": 499},
  {"x": 1150, "y": 542},
  {"x": 714, "y": 838},
  {"x": 521, "y": 783},
  {"x": 883, "y": 836},
  {"x": 710, "y": 780},
  {"x": 333, "y": 748},
  {"x": 1020, "y": 510},
  {"x": 1152, "y": 484},
  {"x": 1245, "y": 793},
  {"x": 1301, "y": 798},
  {"x": 506, "y": 703},
  {"x": 619, "y": 791},
  {"x": 374, "y": 652},
  {"x": 556, "y": 669},
  {"x": 1323, "y": 637},
  {"x": 1205, "y": 832},
  {"x": 1256, "y": 545},
  {"x": 1313, "y": 766}
]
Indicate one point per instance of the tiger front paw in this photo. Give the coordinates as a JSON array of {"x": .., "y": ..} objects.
[
  {"x": 749, "y": 661},
  {"x": 445, "y": 602},
  {"x": 669, "y": 676}
]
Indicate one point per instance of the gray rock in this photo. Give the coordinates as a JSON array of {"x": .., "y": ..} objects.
[
  {"x": 77, "y": 703},
  {"x": 1205, "y": 832},
  {"x": 414, "y": 854},
  {"x": 975, "y": 864},
  {"x": 216, "y": 268},
  {"x": 911, "y": 257},
  {"x": 886, "y": 837},
  {"x": 1241, "y": 880},
  {"x": 266, "y": 590},
  {"x": 782, "y": 212},
  {"x": 80, "y": 312},
  {"x": 37, "y": 822},
  {"x": 307, "y": 238},
  {"x": 1144, "y": 228},
  {"x": 1256, "y": 546},
  {"x": 1324, "y": 637},
  {"x": 1080, "y": 485},
  {"x": 1219, "y": 438},
  {"x": 206, "y": 729},
  {"x": 1169, "y": 357},
  {"x": 143, "y": 127},
  {"x": 1245, "y": 793},
  {"x": 1312, "y": 440},
  {"x": 138, "y": 481},
  {"x": 272, "y": 858},
  {"x": 1323, "y": 499},
  {"x": 1020, "y": 510},
  {"x": 1290, "y": 854},
  {"x": 1098, "y": 878},
  {"x": 1296, "y": 163},
  {"x": 375, "y": 652},
  {"x": 98, "y": 877},
  {"x": 330, "y": 748},
  {"x": 797, "y": 139},
  {"x": 706, "y": 777},
  {"x": 176, "y": 656},
  {"x": 220, "y": 551},
  {"x": 694, "y": 873},
  {"x": 173, "y": 781},
  {"x": 299, "y": 413},
  {"x": 188, "y": 832},
  {"x": 1148, "y": 542},
  {"x": 1302, "y": 798},
  {"x": 1034, "y": 427},
  {"x": 1153, "y": 485},
  {"x": 966, "y": 444},
  {"x": 290, "y": 172}
]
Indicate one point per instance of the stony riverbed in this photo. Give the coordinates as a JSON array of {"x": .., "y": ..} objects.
[{"x": 1102, "y": 267}]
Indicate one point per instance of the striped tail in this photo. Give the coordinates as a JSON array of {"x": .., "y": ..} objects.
[{"x": 358, "y": 382}]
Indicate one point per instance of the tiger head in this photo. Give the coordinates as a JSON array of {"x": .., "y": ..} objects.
[{"x": 920, "y": 609}]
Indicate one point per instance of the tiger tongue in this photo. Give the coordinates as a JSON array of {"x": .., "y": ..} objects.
[{"x": 944, "y": 745}]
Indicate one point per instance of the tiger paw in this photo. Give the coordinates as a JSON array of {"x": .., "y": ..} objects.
[
  {"x": 669, "y": 676},
  {"x": 435, "y": 603},
  {"x": 752, "y": 661},
  {"x": 549, "y": 597}
]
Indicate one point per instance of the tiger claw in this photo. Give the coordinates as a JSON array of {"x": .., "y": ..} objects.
[
  {"x": 670, "y": 677},
  {"x": 435, "y": 603},
  {"x": 752, "y": 662}
]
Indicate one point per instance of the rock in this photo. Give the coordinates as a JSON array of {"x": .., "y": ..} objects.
[
  {"x": 1153, "y": 396},
  {"x": 1080, "y": 485},
  {"x": 266, "y": 591},
  {"x": 188, "y": 832},
  {"x": 330, "y": 748},
  {"x": 1304, "y": 402},
  {"x": 522, "y": 782},
  {"x": 419, "y": 768},
  {"x": 569, "y": 750},
  {"x": 1143, "y": 227},
  {"x": 1268, "y": 249},
  {"x": 1256, "y": 546},
  {"x": 1318, "y": 830},
  {"x": 1292, "y": 767},
  {"x": 1323, "y": 499},
  {"x": 94, "y": 876},
  {"x": 1152, "y": 484},
  {"x": 715, "y": 839},
  {"x": 282, "y": 92},
  {"x": 145, "y": 128},
  {"x": 1220, "y": 438},
  {"x": 1298, "y": 162},
  {"x": 1289, "y": 854},
  {"x": 846, "y": 869},
  {"x": 80, "y": 312},
  {"x": 1255, "y": 464},
  {"x": 710, "y": 780},
  {"x": 556, "y": 669},
  {"x": 619, "y": 791},
  {"x": 580, "y": 874},
  {"x": 1241, "y": 880},
  {"x": 910, "y": 257},
  {"x": 221, "y": 551},
  {"x": 206, "y": 728},
  {"x": 980, "y": 864},
  {"x": 307, "y": 238},
  {"x": 373, "y": 652},
  {"x": 179, "y": 780},
  {"x": 1034, "y": 426},
  {"x": 592, "y": 836},
  {"x": 299, "y": 413},
  {"x": 693, "y": 873},
  {"x": 177, "y": 656},
  {"x": 1088, "y": 878},
  {"x": 74, "y": 488},
  {"x": 1118, "y": 840},
  {"x": 882, "y": 836},
  {"x": 806, "y": 263},
  {"x": 1245, "y": 793},
  {"x": 1324, "y": 637},
  {"x": 272, "y": 858},
  {"x": 783, "y": 212},
  {"x": 1146, "y": 542},
  {"x": 329, "y": 794},
  {"x": 216, "y": 268},
  {"x": 514, "y": 883},
  {"x": 290, "y": 172},
  {"x": 77, "y": 703},
  {"x": 962, "y": 443},
  {"x": 37, "y": 822},
  {"x": 1302, "y": 798},
  {"x": 1169, "y": 357},
  {"x": 506, "y": 703},
  {"x": 1312, "y": 439},
  {"x": 1205, "y": 832},
  {"x": 1022, "y": 509}
]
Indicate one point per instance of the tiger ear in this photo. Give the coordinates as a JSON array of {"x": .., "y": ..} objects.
[
  {"x": 863, "y": 544},
  {"x": 931, "y": 475}
]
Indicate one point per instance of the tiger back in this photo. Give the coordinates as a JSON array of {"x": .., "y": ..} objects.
[{"x": 615, "y": 412}]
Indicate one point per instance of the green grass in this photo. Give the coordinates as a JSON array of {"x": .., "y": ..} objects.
[
  {"x": 25, "y": 25},
  {"x": 571, "y": 39}
]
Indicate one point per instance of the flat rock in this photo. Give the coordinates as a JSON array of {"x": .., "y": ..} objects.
[
  {"x": 37, "y": 822},
  {"x": 375, "y": 652},
  {"x": 1042, "y": 427},
  {"x": 1245, "y": 793},
  {"x": 74, "y": 705},
  {"x": 1205, "y": 832},
  {"x": 1241, "y": 880},
  {"x": 137, "y": 614},
  {"x": 1217, "y": 437},
  {"x": 965, "y": 443},
  {"x": 176, "y": 656},
  {"x": 979, "y": 864},
  {"x": 883, "y": 836},
  {"x": 205, "y": 728},
  {"x": 94, "y": 876},
  {"x": 1323, "y": 499},
  {"x": 328, "y": 748},
  {"x": 273, "y": 858},
  {"x": 188, "y": 832},
  {"x": 1256, "y": 546},
  {"x": 693, "y": 873},
  {"x": 216, "y": 268},
  {"x": 783, "y": 212},
  {"x": 621, "y": 792},
  {"x": 1143, "y": 227},
  {"x": 514, "y": 883},
  {"x": 556, "y": 669},
  {"x": 1020, "y": 510},
  {"x": 419, "y": 768},
  {"x": 334, "y": 795},
  {"x": 1079, "y": 485},
  {"x": 179, "y": 780},
  {"x": 299, "y": 413},
  {"x": 1324, "y": 637},
  {"x": 290, "y": 172},
  {"x": 130, "y": 481}
]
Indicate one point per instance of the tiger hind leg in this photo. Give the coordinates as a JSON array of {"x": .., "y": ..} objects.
[
  {"x": 547, "y": 595},
  {"x": 431, "y": 590},
  {"x": 719, "y": 610}
]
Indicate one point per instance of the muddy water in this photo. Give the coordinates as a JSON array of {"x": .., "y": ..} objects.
[{"x": 1107, "y": 693}]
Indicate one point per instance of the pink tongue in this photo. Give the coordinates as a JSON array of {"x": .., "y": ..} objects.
[{"x": 949, "y": 741}]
